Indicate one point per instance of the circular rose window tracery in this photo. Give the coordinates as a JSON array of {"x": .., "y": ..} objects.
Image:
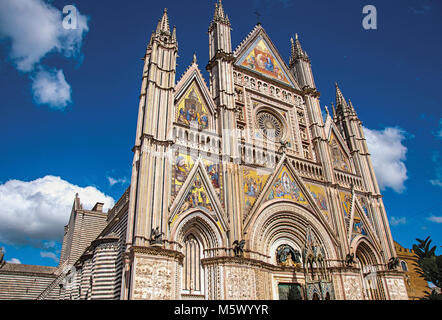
[{"x": 270, "y": 125}]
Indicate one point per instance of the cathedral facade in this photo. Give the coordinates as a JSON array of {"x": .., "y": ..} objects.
[{"x": 240, "y": 188}]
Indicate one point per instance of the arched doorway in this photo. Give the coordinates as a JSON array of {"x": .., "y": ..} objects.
[
  {"x": 198, "y": 234},
  {"x": 367, "y": 265},
  {"x": 193, "y": 272}
]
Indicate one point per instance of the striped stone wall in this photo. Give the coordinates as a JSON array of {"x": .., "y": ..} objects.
[
  {"x": 84, "y": 226},
  {"x": 25, "y": 282},
  {"x": 99, "y": 268}
]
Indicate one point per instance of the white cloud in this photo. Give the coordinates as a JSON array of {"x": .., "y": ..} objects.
[
  {"x": 14, "y": 261},
  {"x": 436, "y": 182},
  {"x": 435, "y": 219},
  {"x": 113, "y": 181},
  {"x": 49, "y": 244},
  {"x": 438, "y": 168},
  {"x": 388, "y": 155},
  {"x": 439, "y": 133},
  {"x": 397, "y": 221},
  {"x": 35, "y": 211},
  {"x": 33, "y": 29},
  {"x": 51, "y": 88},
  {"x": 50, "y": 255}
]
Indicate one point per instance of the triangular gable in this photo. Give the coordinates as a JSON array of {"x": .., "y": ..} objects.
[
  {"x": 365, "y": 208},
  {"x": 286, "y": 187},
  {"x": 193, "y": 88},
  {"x": 198, "y": 193},
  {"x": 258, "y": 54},
  {"x": 365, "y": 223},
  {"x": 182, "y": 164},
  {"x": 192, "y": 109},
  {"x": 358, "y": 226},
  {"x": 285, "y": 184},
  {"x": 361, "y": 227},
  {"x": 339, "y": 152}
]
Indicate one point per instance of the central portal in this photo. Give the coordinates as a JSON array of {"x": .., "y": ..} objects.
[{"x": 290, "y": 291}]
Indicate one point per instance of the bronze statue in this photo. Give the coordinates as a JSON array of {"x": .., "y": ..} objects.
[
  {"x": 238, "y": 248},
  {"x": 349, "y": 259},
  {"x": 156, "y": 236},
  {"x": 284, "y": 146},
  {"x": 393, "y": 263}
]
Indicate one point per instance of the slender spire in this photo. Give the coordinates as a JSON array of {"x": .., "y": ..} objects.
[
  {"x": 163, "y": 24},
  {"x": 219, "y": 15},
  {"x": 340, "y": 100},
  {"x": 174, "y": 33},
  {"x": 296, "y": 52},
  {"x": 353, "y": 110},
  {"x": 342, "y": 106}
]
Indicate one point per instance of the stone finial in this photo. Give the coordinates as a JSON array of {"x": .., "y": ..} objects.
[
  {"x": 163, "y": 23},
  {"x": 340, "y": 100},
  {"x": 296, "y": 49},
  {"x": 219, "y": 14}
]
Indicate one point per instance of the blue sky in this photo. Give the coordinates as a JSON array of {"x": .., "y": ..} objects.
[{"x": 84, "y": 135}]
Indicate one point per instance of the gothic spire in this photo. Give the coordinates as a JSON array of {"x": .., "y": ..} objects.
[
  {"x": 163, "y": 24},
  {"x": 219, "y": 15},
  {"x": 174, "y": 33},
  {"x": 352, "y": 109},
  {"x": 296, "y": 52},
  {"x": 340, "y": 100}
]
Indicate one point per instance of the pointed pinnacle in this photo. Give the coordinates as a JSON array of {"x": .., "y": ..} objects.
[
  {"x": 174, "y": 33},
  {"x": 340, "y": 100},
  {"x": 297, "y": 51},
  {"x": 163, "y": 23},
  {"x": 352, "y": 108},
  {"x": 219, "y": 14},
  {"x": 221, "y": 9}
]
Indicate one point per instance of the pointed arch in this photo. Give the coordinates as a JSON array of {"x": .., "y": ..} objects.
[
  {"x": 284, "y": 219},
  {"x": 370, "y": 252},
  {"x": 358, "y": 214},
  {"x": 368, "y": 259},
  {"x": 197, "y": 232},
  {"x": 202, "y": 225}
]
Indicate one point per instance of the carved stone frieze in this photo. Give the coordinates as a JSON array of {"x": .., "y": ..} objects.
[{"x": 397, "y": 289}]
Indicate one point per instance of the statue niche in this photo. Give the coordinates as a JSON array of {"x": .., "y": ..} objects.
[{"x": 288, "y": 257}]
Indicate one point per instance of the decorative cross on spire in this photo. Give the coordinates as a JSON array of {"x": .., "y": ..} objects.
[{"x": 258, "y": 16}]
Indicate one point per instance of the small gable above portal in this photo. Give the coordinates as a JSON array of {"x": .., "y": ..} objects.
[{"x": 192, "y": 109}]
